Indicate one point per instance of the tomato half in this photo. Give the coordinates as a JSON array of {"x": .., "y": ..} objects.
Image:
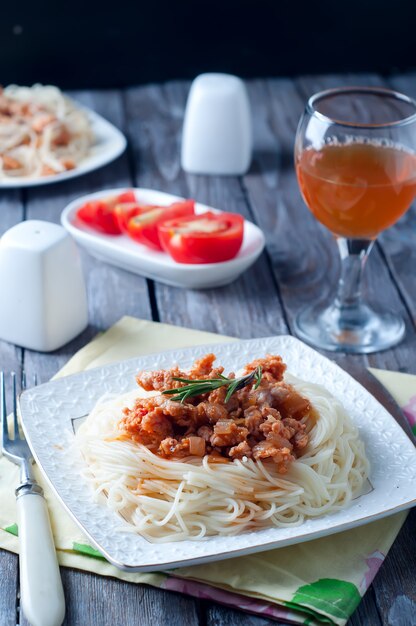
[
  {"x": 100, "y": 214},
  {"x": 126, "y": 196},
  {"x": 143, "y": 227},
  {"x": 125, "y": 211},
  {"x": 205, "y": 238}
]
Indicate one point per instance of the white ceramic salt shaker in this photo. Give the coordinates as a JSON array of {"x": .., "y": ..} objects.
[
  {"x": 217, "y": 135},
  {"x": 43, "y": 295}
]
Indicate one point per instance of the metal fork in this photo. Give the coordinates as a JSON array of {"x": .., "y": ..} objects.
[{"x": 41, "y": 592}]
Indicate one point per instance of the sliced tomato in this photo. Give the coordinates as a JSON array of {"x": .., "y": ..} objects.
[
  {"x": 143, "y": 227},
  {"x": 100, "y": 215},
  {"x": 126, "y": 196},
  {"x": 205, "y": 238},
  {"x": 125, "y": 211}
]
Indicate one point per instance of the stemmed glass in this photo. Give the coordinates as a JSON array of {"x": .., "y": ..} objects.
[{"x": 356, "y": 167}]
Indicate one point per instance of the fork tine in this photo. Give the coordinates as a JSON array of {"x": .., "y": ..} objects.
[
  {"x": 23, "y": 380},
  {"x": 15, "y": 424},
  {"x": 3, "y": 408}
]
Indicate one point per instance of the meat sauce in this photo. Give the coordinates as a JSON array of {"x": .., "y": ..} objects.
[{"x": 269, "y": 422}]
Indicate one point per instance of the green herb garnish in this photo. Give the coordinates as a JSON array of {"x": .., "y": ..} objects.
[{"x": 194, "y": 388}]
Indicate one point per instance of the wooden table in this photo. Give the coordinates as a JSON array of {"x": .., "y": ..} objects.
[{"x": 301, "y": 260}]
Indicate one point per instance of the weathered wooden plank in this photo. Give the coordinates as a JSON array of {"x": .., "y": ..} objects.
[
  {"x": 11, "y": 209},
  {"x": 8, "y": 587},
  {"x": 248, "y": 307},
  {"x": 400, "y": 241},
  {"x": 97, "y": 601},
  {"x": 395, "y": 584},
  {"x": 218, "y": 615},
  {"x": 312, "y": 84},
  {"x": 11, "y": 213},
  {"x": 10, "y": 360},
  {"x": 112, "y": 293},
  {"x": 367, "y": 612}
]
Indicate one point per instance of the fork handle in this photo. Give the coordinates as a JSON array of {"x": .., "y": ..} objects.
[{"x": 41, "y": 591}]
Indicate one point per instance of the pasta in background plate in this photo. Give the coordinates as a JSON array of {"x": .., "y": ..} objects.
[{"x": 42, "y": 132}]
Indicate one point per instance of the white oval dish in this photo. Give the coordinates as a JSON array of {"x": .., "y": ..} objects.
[{"x": 123, "y": 252}]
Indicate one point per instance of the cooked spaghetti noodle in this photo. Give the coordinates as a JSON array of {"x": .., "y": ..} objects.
[
  {"x": 42, "y": 132},
  {"x": 167, "y": 499}
]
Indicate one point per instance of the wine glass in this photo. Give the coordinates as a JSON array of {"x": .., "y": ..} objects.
[{"x": 356, "y": 167}]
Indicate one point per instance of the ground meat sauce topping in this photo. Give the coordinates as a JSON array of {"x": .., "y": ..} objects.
[{"x": 264, "y": 423}]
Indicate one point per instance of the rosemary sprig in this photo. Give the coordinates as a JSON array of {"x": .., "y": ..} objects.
[{"x": 194, "y": 388}]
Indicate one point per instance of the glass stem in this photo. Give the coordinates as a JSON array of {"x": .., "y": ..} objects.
[{"x": 354, "y": 254}]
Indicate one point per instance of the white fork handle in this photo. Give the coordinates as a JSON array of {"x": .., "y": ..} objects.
[{"x": 41, "y": 592}]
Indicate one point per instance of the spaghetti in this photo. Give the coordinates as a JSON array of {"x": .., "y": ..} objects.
[
  {"x": 171, "y": 499},
  {"x": 42, "y": 132}
]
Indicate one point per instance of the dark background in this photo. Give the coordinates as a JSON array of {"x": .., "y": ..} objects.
[{"x": 90, "y": 44}]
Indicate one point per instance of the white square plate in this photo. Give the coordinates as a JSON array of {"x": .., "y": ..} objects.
[
  {"x": 123, "y": 252},
  {"x": 108, "y": 144},
  {"x": 47, "y": 412}
]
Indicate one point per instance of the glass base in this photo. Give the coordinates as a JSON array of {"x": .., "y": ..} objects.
[{"x": 355, "y": 330}]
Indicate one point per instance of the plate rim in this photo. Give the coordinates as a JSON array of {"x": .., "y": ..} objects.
[{"x": 252, "y": 548}]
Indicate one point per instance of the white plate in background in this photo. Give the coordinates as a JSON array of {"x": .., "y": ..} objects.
[
  {"x": 108, "y": 144},
  {"x": 48, "y": 410},
  {"x": 123, "y": 252}
]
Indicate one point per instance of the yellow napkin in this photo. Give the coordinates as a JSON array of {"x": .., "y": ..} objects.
[{"x": 310, "y": 583}]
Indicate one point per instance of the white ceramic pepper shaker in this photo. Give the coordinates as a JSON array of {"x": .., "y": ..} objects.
[
  {"x": 43, "y": 295},
  {"x": 217, "y": 134}
]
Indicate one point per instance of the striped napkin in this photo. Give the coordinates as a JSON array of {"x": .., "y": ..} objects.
[{"x": 321, "y": 581}]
